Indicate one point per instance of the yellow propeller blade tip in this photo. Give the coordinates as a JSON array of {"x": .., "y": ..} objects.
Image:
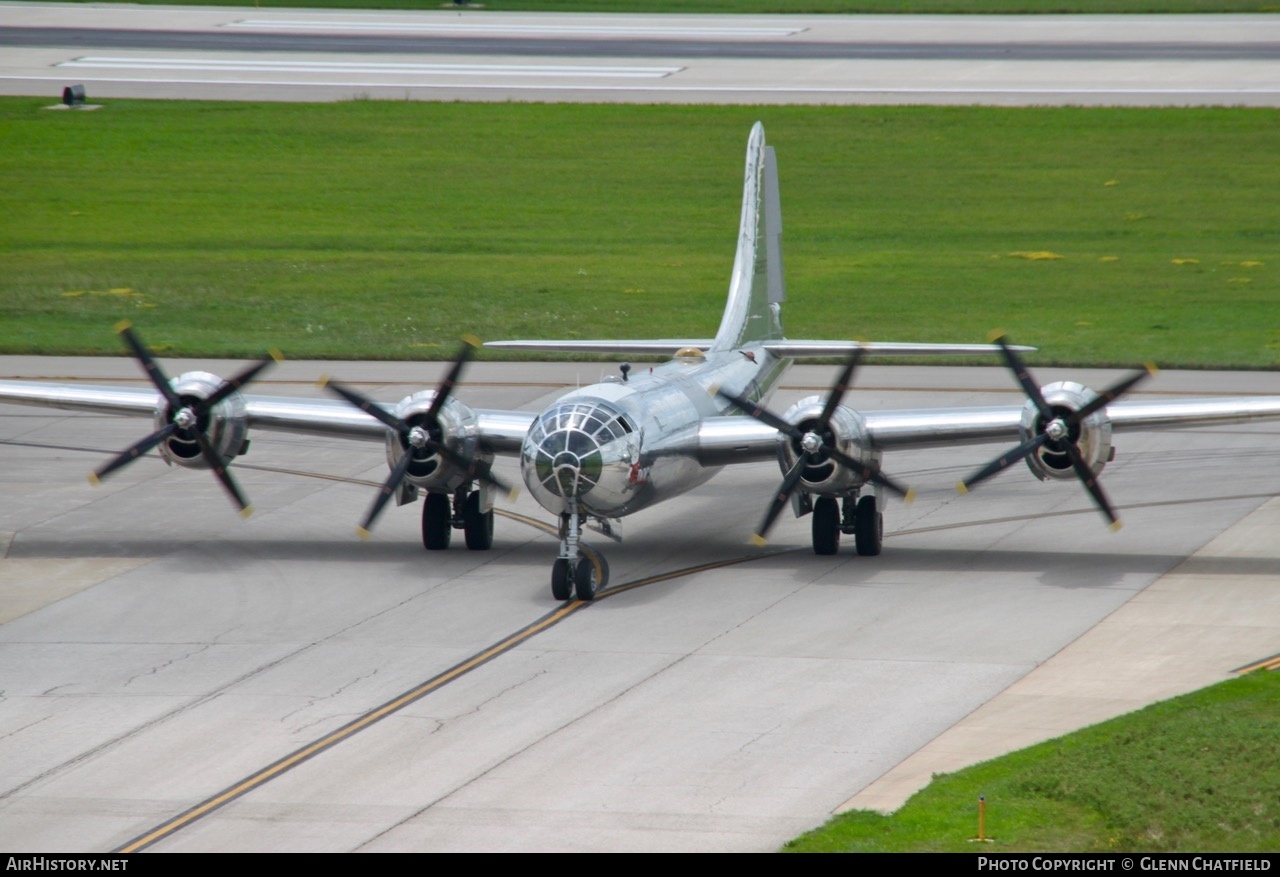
[
  {"x": 1151, "y": 368},
  {"x": 94, "y": 479},
  {"x": 275, "y": 354},
  {"x": 910, "y": 497},
  {"x": 322, "y": 381},
  {"x": 713, "y": 389},
  {"x": 995, "y": 334},
  {"x": 246, "y": 512},
  {"x": 1116, "y": 525},
  {"x": 472, "y": 340},
  {"x": 362, "y": 532},
  {"x": 961, "y": 488},
  {"x": 122, "y": 325},
  {"x": 758, "y": 540},
  {"x": 513, "y": 494}
]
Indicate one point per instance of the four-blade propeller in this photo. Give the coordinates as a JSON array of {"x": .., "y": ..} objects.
[
  {"x": 814, "y": 446},
  {"x": 421, "y": 439},
  {"x": 1057, "y": 431},
  {"x": 189, "y": 417}
]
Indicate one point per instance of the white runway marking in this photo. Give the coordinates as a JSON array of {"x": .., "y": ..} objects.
[
  {"x": 627, "y": 30},
  {"x": 372, "y": 67}
]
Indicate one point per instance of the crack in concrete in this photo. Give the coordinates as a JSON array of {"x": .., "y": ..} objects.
[
  {"x": 169, "y": 663},
  {"x": 312, "y": 701}
]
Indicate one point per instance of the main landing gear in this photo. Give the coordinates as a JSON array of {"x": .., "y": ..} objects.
[
  {"x": 859, "y": 516},
  {"x": 576, "y": 571},
  {"x": 464, "y": 510}
]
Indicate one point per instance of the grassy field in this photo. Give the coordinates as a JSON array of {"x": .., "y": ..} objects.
[
  {"x": 794, "y": 7},
  {"x": 386, "y": 229},
  {"x": 1193, "y": 774}
]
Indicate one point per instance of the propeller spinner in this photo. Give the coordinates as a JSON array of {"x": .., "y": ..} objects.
[
  {"x": 1057, "y": 431},
  {"x": 814, "y": 446}
]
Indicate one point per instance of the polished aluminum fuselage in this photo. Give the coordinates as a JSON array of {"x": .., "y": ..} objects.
[{"x": 666, "y": 408}]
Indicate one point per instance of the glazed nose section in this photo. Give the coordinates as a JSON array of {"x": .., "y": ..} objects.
[
  {"x": 569, "y": 448},
  {"x": 568, "y": 462}
]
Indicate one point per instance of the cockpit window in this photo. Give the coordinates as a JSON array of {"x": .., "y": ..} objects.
[{"x": 588, "y": 418}]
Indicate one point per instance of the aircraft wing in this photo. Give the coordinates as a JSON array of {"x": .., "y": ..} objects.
[
  {"x": 938, "y": 427},
  {"x": 499, "y": 431},
  {"x": 740, "y": 439}
]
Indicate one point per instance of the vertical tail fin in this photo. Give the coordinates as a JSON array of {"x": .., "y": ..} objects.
[{"x": 757, "y": 287}]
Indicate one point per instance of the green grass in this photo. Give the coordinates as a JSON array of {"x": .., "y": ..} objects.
[
  {"x": 792, "y": 7},
  {"x": 1198, "y": 773},
  {"x": 387, "y": 229}
]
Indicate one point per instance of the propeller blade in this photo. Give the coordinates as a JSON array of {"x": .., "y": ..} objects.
[
  {"x": 231, "y": 385},
  {"x": 762, "y": 414},
  {"x": 128, "y": 455},
  {"x": 387, "y": 490},
  {"x": 367, "y": 405},
  {"x": 1090, "y": 482},
  {"x": 219, "y": 467},
  {"x": 780, "y": 499},
  {"x": 1108, "y": 396},
  {"x": 841, "y": 386},
  {"x": 475, "y": 469},
  {"x": 470, "y": 343},
  {"x": 158, "y": 378},
  {"x": 871, "y": 472},
  {"x": 1002, "y": 462},
  {"x": 1023, "y": 376}
]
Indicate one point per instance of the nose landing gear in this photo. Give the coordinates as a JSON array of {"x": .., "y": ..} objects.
[{"x": 578, "y": 569}]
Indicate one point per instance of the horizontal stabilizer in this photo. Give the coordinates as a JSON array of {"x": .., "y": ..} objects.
[
  {"x": 788, "y": 349},
  {"x": 656, "y": 347},
  {"x": 784, "y": 349}
]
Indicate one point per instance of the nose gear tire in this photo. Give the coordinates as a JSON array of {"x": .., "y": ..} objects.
[{"x": 586, "y": 579}]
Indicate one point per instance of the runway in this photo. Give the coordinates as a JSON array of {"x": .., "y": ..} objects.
[
  {"x": 475, "y": 55},
  {"x": 161, "y": 651}
]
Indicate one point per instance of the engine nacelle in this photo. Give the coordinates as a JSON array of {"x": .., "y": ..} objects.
[
  {"x": 1092, "y": 436},
  {"x": 226, "y": 425},
  {"x": 847, "y": 433},
  {"x": 455, "y": 427}
]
